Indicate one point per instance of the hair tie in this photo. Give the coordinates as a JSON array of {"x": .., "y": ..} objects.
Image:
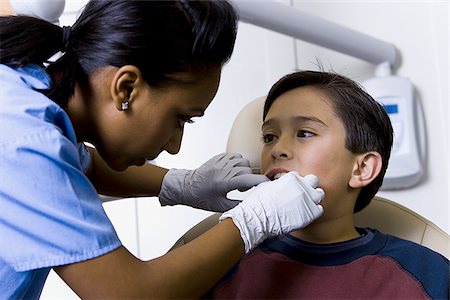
[{"x": 66, "y": 31}]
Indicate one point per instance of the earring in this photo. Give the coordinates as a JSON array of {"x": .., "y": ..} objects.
[{"x": 125, "y": 105}]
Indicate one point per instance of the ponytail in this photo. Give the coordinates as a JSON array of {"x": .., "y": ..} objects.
[{"x": 26, "y": 40}]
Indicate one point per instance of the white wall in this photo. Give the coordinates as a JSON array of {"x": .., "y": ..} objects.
[{"x": 418, "y": 29}]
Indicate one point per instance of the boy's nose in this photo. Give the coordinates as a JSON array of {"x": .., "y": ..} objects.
[{"x": 282, "y": 149}]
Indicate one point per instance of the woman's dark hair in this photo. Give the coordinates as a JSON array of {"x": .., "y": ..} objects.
[
  {"x": 162, "y": 38},
  {"x": 366, "y": 123}
]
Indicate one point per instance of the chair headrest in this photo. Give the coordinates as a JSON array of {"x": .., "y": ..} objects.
[{"x": 245, "y": 134}]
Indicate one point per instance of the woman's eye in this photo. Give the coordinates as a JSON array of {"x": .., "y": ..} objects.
[
  {"x": 268, "y": 138},
  {"x": 188, "y": 120},
  {"x": 304, "y": 134},
  {"x": 185, "y": 119}
]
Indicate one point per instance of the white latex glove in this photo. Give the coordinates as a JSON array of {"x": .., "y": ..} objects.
[
  {"x": 277, "y": 207},
  {"x": 207, "y": 186}
]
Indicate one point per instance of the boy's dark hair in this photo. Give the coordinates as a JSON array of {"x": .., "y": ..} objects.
[
  {"x": 367, "y": 125},
  {"x": 162, "y": 38}
]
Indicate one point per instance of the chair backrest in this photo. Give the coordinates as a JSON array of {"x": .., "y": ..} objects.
[
  {"x": 245, "y": 134},
  {"x": 392, "y": 218},
  {"x": 383, "y": 214}
]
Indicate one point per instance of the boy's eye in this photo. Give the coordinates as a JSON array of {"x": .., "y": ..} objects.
[
  {"x": 268, "y": 138},
  {"x": 304, "y": 134}
]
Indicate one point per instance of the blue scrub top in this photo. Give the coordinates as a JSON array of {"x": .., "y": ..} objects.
[{"x": 50, "y": 213}]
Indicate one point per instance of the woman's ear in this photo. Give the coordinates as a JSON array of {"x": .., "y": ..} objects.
[
  {"x": 125, "y": 86},
  {"x": 366, "y": 168}
]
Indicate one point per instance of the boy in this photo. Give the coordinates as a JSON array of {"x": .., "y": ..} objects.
[{"x": 325, "y": 124}]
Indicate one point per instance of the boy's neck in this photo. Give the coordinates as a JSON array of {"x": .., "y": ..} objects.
[{"x": 328, "y": 231}]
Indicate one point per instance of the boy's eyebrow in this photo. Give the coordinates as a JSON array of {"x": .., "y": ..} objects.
[{"x": 269, "y": 122}]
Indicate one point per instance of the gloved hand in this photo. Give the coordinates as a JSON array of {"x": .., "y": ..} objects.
[
  {"x": 207, "y": 186},
  {"x": 277, "y": 207}
]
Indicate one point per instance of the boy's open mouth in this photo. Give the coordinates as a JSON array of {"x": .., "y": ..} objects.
[{"x": 276, "y": 173}]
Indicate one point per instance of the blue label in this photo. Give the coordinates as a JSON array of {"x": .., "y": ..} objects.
[{"x": 391, "y": 109}]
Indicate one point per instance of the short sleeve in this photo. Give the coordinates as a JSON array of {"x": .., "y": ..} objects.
[
  {"x": 50, "y": 212},
  {"x": 85, "y": 157}
]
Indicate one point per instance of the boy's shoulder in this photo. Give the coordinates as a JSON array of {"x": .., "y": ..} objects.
[
  {"x": 398, "y": 247},
  {"x": 414, "y": 258}
]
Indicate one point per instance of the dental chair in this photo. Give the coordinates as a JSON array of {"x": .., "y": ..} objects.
[{"x": 385, "y": 215}]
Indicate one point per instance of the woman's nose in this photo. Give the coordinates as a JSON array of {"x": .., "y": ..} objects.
[{"x": 174, "y": 144}]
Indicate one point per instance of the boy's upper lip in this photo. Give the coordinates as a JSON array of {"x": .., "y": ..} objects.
[{"x": 275, "y": 171}]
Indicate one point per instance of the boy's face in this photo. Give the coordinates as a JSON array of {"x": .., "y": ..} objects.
[{"x": 302, "y": 133}]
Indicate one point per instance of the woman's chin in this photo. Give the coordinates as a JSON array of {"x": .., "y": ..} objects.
[
  {"x": 122, "y": 165},
  {"x": 119, "y": 168},
  {"x": 141, "y": 162}
]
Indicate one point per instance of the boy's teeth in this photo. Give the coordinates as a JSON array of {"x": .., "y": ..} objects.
[{"x": 278, "y": 175}]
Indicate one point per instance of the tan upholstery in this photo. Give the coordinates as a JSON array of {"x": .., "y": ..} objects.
[
  {"x": 197, "y": 230},
  {"x": 390, "y": 217},
  {"x": 385, "y": 215}
]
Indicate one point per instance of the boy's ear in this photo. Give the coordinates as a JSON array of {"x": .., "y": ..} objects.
[
  {"x": 366, "y": 168},
  {"x": 125, "y": 86}
]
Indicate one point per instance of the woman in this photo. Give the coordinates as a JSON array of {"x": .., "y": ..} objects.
[{"x": 131, "y": 75}]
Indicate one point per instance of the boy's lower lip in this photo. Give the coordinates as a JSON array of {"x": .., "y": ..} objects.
[{"x": 278, "y": 175}]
